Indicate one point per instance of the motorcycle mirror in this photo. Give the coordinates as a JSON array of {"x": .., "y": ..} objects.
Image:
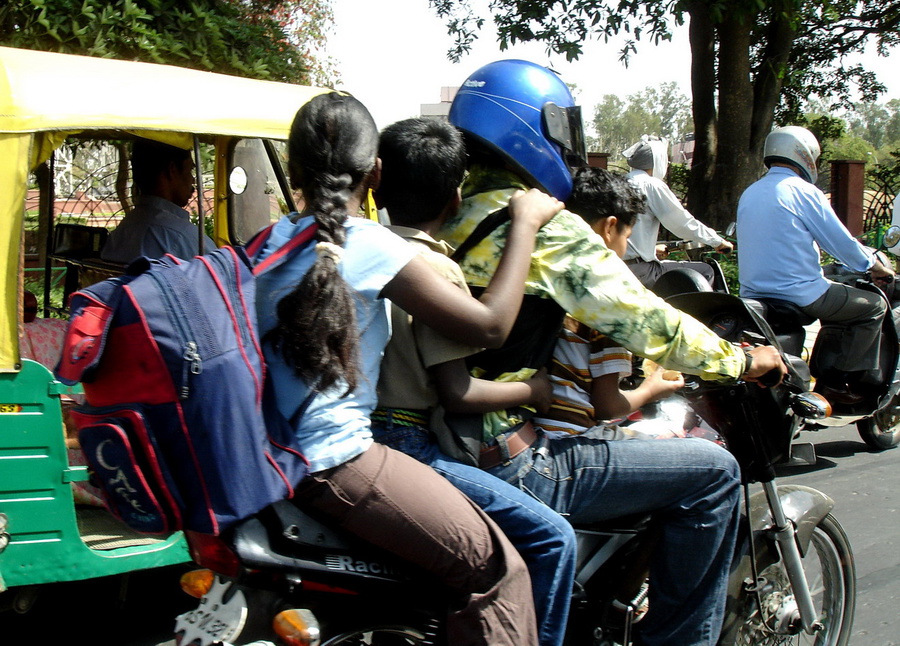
[
  {"x": 732, "y": 226},
  {"x": 891, "y": 237}
]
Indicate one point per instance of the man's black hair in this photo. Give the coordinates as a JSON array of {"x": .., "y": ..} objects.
[
  {"x": 598, "y": 194},
  {"x": 423, "y": 165},
  {"x": 150, "y": 159}
]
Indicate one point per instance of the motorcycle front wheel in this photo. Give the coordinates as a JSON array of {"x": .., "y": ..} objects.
[{"x": 765, "y": 614}]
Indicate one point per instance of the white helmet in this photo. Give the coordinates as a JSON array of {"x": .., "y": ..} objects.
[{"x": 796, "y": 146}]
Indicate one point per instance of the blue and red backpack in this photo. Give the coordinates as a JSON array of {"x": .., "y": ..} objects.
[{"x": 174, "y": 427}]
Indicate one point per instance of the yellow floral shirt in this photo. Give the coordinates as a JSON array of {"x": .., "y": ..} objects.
[{"x": 572, "y": 265}]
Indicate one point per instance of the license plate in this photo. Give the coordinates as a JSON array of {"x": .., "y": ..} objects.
[{"x": 214, "y": 621}]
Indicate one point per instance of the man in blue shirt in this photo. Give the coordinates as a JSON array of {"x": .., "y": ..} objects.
[
  {"x": 164, "y": 176},
  {"x": 783, "y": 221}
]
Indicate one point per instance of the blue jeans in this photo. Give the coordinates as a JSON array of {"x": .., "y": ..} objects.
[
  {"x": 691, "y": 485},
  {"x": 543, "y": 538}
]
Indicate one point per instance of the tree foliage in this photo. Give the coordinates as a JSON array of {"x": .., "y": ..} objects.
[
  {"x": 618, "y": 123},
  {"x": 263, "y": 39},
  {"x": 754, "y": 63},
  {"x": 877, "y": 123}
]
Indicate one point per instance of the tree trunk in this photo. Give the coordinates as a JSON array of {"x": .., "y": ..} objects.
[
  {"x": 780, "y": 35},
  {"x": 729, "y": 147},
  {"x": 703, "y": 92},
  {"x": 733, "y": 155}
]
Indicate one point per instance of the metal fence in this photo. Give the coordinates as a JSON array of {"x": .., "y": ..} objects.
[{"x": 882, "y": 185}]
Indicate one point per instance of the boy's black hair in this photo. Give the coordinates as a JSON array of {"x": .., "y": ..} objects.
[
  {"x": 423, "y": 165},
  {"x": 598, "y": 194}
]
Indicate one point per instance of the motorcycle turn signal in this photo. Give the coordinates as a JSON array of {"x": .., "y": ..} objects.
[
  {"x": 297, "y": 627},
  {"x": 197, "y": 583}
]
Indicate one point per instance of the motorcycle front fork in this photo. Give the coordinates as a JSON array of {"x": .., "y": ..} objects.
[{"x": 784, "y": 533}]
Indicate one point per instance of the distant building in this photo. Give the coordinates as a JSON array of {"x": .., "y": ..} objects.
[
  {"x": 442, "y": 109},
  {"x": 683, "y": 151}
]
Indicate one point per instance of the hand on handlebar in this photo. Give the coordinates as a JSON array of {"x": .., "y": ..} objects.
[
  {"x": 767, "y": 368},
  {"x": 881, "y": 274},
  {"x": 725, "y": 247}
]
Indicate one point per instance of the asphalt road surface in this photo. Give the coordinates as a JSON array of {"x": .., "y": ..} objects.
[{"x": 865, "y": 486}]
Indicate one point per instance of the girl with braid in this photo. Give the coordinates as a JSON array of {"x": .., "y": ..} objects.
[{"x": 323, "y": 317}]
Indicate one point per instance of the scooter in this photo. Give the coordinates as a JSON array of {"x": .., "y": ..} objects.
[
  {"x": 877, "y": 417},
  {"x": 284, "y": 577},
  {"x": 684, "y": 279}
]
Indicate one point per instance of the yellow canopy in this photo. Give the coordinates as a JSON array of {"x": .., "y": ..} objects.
[
  {"x": 45, "y": 95},
  {"x": 45, "y": 91}
]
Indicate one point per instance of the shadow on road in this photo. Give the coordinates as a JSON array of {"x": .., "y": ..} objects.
[
  {"x": 842, "y": 449},
  {"x": 836, "y": 450},
  {"x": 785, "y": 470}
]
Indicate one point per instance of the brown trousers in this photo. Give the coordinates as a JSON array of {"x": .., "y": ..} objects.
[{"x": 403, "y": 506}]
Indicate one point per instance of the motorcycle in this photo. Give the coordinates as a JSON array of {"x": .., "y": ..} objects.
[
  {"x": 284, "y": 577},
  {"x": 877, "y": 417}
]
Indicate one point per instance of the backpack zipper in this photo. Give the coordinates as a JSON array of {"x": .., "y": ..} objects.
[{"x": 193, "y": 362}]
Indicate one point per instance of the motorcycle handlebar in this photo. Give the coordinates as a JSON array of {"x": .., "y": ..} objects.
[{"x": 771, "y": 378}]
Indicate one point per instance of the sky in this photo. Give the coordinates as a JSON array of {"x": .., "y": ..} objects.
[{"x": 392, "y": 55}]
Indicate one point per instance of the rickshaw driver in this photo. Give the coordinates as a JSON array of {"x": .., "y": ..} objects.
[{"x": 158, "y": 225}]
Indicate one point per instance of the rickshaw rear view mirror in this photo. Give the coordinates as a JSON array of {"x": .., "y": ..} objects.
[{"x": 237, "y": 181}]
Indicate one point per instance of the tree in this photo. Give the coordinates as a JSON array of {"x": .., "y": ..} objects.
[
  {"x": 263, "y": 39},
  {"x": 618, "y": 123},
  {"x": 750, "y": 61},
  {"x": 877, "y": 123}
]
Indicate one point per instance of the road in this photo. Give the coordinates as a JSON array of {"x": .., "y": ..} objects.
[{"x": 863, "y": 484}]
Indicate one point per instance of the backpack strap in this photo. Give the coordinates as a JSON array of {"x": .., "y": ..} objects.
[
  {"x": 91, "y": 317},
  {"x": 259, "y": 238},
  {"x": 531, "y": 341},
  {"x": 482, "y": 231},
  {"x": 281, "y": 254}
]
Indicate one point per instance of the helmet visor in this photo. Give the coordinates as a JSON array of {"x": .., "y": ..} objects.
[{"x": 564, "y": 127}]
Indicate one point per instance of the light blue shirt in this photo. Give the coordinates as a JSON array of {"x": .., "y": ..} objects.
[
  {"x": 154, "y": 228},
  {"x": 334, "y": 428},
  {"x": 782, "y": 222}
]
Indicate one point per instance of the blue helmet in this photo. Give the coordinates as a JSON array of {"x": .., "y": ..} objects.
[{"x": 524, "y": 112}]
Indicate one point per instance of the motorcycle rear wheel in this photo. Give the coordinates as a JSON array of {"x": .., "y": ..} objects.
[
  {"x": 831, "y": 575},
  {"x": 881, "y": 431}
]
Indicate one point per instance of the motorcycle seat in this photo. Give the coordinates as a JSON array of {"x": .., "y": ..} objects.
[
  {"x": 622, "y": 524},
  {"x": 784, "y": 316}
]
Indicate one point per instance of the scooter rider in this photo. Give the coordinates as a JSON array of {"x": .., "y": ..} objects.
[
  {"x": 649, "y": 160},
  {"x": 524, "y": 130},
  {"x": 783, "y": 220}
]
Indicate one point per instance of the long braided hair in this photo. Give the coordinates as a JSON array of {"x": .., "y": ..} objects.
[{"x": 332, "y": 148}]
